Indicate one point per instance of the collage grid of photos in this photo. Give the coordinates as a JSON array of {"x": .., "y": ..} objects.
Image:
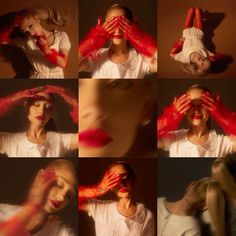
[{"x": 118, "y": 118}]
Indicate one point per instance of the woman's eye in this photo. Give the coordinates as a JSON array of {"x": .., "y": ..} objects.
[
  {"x": 120, "y": 84},
  {"x": 36, "y": 104}
]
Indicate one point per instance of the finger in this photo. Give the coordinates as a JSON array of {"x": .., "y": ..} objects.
[{"x": 185, "y": 109}]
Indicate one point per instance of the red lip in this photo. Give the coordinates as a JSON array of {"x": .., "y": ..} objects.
[
  {"x": 124, "y": 190},
  {"x": 42, "y": 118},
  {"x": 197, "y": 117},
  {"x": 55, "y": 204},
  {"x": 118, "y": 36},
  {"x": 94, "y": 138}
]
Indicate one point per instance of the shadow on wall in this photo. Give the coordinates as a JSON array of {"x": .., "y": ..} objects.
[
  {"x": 211, "y": 20},
  {"x": 13, "y": 54}
]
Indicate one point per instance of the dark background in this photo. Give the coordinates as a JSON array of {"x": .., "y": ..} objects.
[
  {"x": 168, "y": 89},
  {"x": 17, "y": 176},
  {"x": 13, "y": 62},
  {"x": 89, "y": 11},
  {"x": 92, "y": 170},
  {"x": 219, "y": 27}
]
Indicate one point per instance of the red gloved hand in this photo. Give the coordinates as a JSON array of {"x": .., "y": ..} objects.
[
  {"x": 177, "y": 47},
  {"x": 7, "y": 102},
  {"x": 67, "y": 97},
  {"x": 97, "y": 37},
  {"x": 217, "y": 57},
  {"x": 225, "y": 118},
  {"x": 143, "y": 42},
  {"x": 172, "y": 115}
]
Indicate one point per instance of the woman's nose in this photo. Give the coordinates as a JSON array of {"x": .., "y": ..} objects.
[{"x": 60, "y": 197}]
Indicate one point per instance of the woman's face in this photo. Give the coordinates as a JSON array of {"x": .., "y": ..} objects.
[
  {"x": 117, "y": 37},
  {"x": 62, "y": 191},
  {"x": 41, "y": 110},
  {"x": 197, "y": 115},
  {"x": 110, "y": 112},
  {"x": 31, "y": 25},
  {"x": 125, "y": 187}
]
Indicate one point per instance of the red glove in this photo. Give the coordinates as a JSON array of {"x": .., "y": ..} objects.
[
  {"x": 225, "y": 118},
  {"x": 67, "y": 97},
  {"x": 7, "y": 102},
  {"x": 217, "y": 57},
  {"x": 143, "y": 42},
  {"x": 177, "y": 47},
  {"x": 172, "y": 116},
  {"x": 51, "y": 54},
  {"x": 97, "y": 37}
]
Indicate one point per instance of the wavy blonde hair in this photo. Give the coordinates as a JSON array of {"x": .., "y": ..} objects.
[
  {"x": 48, "y": 14},
  {"x": 211, "y": 192}
]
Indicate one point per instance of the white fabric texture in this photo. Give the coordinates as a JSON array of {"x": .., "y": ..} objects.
[
  {"x": 193, "y": 43},
  {"x": 136, "y": 67},
  {"x": 179, "y": 145},
  {"x": 174, "y": 225},
  {"x": 18, "y": 145},
  {"x": 53, "y": 227},
  {"x": 42, "y": 68},
  {"x": 109, "y": 222}
]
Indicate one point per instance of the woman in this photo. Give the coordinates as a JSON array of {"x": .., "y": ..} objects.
[
  {"x": 112, "y": 114},
  {"x": 121, "y": 217},
  {"x": 131, "y": 53},
  {"x": 197, "y": 104},
  {"x": 38, "y": 141},
  {"x": 177, "y": 218},
  {"x": 62, "y": 178},
  {"x": 46, "y": 50},
  {"x": 224, "y": 171}
]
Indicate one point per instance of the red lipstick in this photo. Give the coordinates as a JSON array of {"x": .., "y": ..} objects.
[
  {"x": 197, "y": 117},
  {"x": 42, "y": 118},
  {"x": 124, "y": 190},
  {"x": 55, "y": 204},
  {"x": 118, "y": 36},
  {"x": 94, "y": 138}
]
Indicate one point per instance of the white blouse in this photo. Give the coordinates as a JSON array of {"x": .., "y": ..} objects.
[
  {"x": 109, "y": 222},
  {"x": 18, "y": 145},
  {"x": 42, "y": 67},
  {"x": 136, "y": 67},
  {"x": 179, "y": 145}
]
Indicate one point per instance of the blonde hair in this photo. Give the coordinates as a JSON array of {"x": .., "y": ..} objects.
[
  {"x": 223, "y": 171},
  {"x": 190, "y": 69},
  {"x": 48, "y": 14},
  {"x": 212, "y": 193}
]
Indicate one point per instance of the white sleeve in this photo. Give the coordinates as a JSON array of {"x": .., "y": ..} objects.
[
  {"x": 97, "y": 208},
  {"x": 65, "y": 140},
  {"x": 225, "y": 145},
  {"x": 65, "y": 41},
  {"x": 179, "y": 57},
  {"x": 150, "y": 228},
  {"x": 6, "y": 142}
]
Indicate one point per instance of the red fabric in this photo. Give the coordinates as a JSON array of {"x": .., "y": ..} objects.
[
  {"x": 217, "y": 57},
  {"x": 225, "y": 118},
  {"x": 168, "y": 121},
  {"x": 74, "y": 115},
  {"x": 95, "y": 39},
  {"x": 53, "y": 55},
  {"x": 177, "y": 47},
  {"x": 13, "y": 227},
  {"x": 143, "y": 42}
]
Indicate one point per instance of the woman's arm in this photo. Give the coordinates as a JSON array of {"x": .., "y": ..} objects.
[
  {"x": 17, "y": 224},
  {"x": 171, "y": 117},
  {"x": 59, "y": 58},
  {"x": 67, "y": 97},
  {"x": 177, "y": 47},
  {"x": 223, "y": 116},
  {"x": 143, "y": 42},
  {"x": 109, "y": 181}
]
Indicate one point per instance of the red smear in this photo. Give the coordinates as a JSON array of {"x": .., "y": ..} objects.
[
  {"x": 13, "y": 227},
  {"x": 74, "y": 115},
  {"x": 53, "y": 56},
  {"x": 168, "y": 121}
]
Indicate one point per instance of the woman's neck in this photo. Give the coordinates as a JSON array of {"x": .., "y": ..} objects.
[
  {"x": 119, "y": 49},
  {"x": 36, "y": 134},
  {"x": 126, "y": 203},
  {"x": 37, "y": 222},
  {"x": 182, "y": 207},
  {"x": 127, "y": 207},
  {"x": 198, "y": 131}
]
